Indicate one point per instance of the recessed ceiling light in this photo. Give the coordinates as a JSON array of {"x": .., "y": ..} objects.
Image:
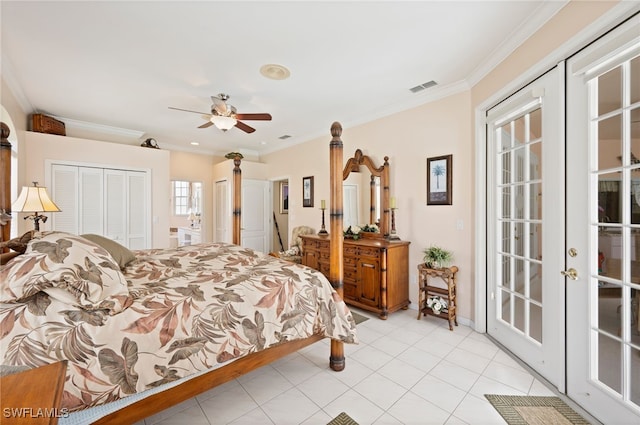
[
  {"x": 195, "y": 143},
  {"x": 275, "y": 71},
  {"x": 263, "y": 143}
]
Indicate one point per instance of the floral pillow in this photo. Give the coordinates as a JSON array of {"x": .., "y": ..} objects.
[{"x": 58, "y": 261}]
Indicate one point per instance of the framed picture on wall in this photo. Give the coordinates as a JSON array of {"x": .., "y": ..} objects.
[
  {"x": 307, "y": 191},
  {"x": 439, "y": 180},
  {"x": 284, "y": 197}
]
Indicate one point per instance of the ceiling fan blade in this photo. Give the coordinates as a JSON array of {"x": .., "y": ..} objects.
[
  {"x": 258, "y": 117},
  {"x": 187, "y": 110},
  {"x": 242, "y": 126},
  {"x": 219, "y": 105},
  {"x": 205, "y": 125}
]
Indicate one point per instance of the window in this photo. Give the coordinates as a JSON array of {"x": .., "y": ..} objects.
[{"x": 186, "y": 197}]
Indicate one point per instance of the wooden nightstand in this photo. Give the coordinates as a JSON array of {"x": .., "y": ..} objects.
[
  {"x": 33, "y": 396},
  {"x": 447, "y": 292}
]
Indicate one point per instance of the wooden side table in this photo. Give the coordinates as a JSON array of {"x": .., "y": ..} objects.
[
  {"x": 33, "y": 396},
  {"x": 447, "y": 292}
]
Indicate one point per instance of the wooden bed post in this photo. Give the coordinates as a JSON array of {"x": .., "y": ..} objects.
[
  {"x": 336, "y": 361},
  {"x": 5, "y": 185},
  {"x": 237, "y": 199}
]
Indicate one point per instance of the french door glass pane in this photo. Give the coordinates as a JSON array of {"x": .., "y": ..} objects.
[
  {"x": 519, "y": 205},
  {"x": 614, "y": 327}
]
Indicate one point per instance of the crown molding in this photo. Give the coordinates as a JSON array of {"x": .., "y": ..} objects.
[
  {"x": 14, "y": 86},
  {"x": 541, "y": 16},
  {"x": 100, "y": 128}
]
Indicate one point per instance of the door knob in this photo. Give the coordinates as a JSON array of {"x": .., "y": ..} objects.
[{"x": 571, "y": 273}]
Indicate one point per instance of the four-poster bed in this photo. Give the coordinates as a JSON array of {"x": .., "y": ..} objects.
[{"x": 154, "y": 277}]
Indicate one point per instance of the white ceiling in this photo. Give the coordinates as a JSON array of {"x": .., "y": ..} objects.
[{"x": 118, "y": 66}]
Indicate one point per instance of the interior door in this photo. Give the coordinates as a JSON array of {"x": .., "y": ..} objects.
[
  {"x": 222, "y": 212},
  {"x": 603, "y": 226},
  {"x": 525, "y": 217},
  {"x": 255, "y": 216}
]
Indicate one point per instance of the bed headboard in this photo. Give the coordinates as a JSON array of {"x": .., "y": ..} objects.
[{"x": 5, "y": 181}]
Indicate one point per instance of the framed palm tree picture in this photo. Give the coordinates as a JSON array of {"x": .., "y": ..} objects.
[{"x": 439, "y": 180}]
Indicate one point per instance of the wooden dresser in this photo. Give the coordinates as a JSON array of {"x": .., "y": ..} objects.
[{"x": 376, "y": 271}]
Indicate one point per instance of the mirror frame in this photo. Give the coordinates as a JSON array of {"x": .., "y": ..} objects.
[{"x": 353, "y": 165}]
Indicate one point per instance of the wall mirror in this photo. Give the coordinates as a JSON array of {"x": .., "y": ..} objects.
[{"x": 366, "y": 193}]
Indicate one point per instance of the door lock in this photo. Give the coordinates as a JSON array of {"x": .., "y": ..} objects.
[{"x": 571, "y": 274}]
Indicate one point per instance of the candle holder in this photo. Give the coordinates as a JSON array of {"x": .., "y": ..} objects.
[
  {"x": 323, "y": 231},
  {"x": 392, "y": 234}
]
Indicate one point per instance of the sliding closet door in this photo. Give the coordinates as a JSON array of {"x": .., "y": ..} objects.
[
  {"x": 90, "y": 200},
  {"x": 64, "y": 192},
  {"x": 137, "y": 210},
  {"x": 115, "y": 200},
  {"x": 110, "y": 202}
]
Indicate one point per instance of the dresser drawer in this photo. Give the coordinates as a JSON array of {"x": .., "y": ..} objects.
[{"x": 369, "y": 252}]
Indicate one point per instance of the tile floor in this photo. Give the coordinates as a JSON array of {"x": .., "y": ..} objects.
[{"x": 404, "y": 371}]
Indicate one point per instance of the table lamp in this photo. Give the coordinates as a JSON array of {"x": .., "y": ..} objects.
[{"x": 34, "y": 199}]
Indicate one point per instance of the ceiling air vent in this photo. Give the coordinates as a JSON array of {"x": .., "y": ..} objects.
[
  {"x": 285, "y": 137},
  {"x": 423, "y": 86}
]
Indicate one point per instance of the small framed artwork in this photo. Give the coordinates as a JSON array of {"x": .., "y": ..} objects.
[
  {"x": 307, "y": 191},
  {"x": 284, "y": 197},
  {"x": 439, "y": 180}
]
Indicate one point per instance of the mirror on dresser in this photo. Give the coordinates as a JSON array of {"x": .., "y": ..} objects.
[
  {"x": 186, "y": 211},
  {"x": 366, "y": 193}
]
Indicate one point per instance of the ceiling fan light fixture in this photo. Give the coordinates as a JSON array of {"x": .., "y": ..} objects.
[{"x": 223, "y": 123}]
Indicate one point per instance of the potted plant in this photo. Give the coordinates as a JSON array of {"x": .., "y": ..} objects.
[
  {"x": 436, "y": 304},
  {"x": 436, "y": 257}
]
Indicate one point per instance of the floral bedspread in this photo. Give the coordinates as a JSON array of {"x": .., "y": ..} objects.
[{"x": 194, "y": 308}]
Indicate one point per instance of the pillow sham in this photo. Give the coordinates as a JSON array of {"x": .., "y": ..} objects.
[
  {"x": 121, "y": 254},
  {"x": 60, "y": 261}
]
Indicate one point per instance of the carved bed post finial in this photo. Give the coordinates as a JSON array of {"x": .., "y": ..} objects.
[
  {"x": 5, "y": 185},
  {"x": 237, "y": 199},
  {"x": 336, "y": 131},
  {"x": 336, "y": 255}
]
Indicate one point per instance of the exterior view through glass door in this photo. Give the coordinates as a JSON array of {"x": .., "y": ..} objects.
[
  {"x": 525, "y": 216},
  {"x": 603, "y": 226}
]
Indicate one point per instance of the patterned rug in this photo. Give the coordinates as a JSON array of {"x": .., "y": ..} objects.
[
  {"x": 528, "y": 410},
  {"x": 359, "y": 318},
  {"x": 342, "y": 419}
]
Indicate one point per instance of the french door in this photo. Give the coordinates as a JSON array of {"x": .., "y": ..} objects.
[
  {"x": 525, "y": 216},
  {"x": 603, "y": 226}
]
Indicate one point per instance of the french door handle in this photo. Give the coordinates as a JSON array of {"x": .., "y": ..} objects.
[{"x": 571, "y": 274}]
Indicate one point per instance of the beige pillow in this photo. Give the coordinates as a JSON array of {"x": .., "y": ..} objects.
[{"x": 121, "y": 254}]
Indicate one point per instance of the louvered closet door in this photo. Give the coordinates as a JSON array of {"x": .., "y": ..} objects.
[
  {"x": 64, "y": 191},
  {"x": 137, "y": 210},
  {"x": 115, "y": 201},
  {"x": 90, "y": 201}
]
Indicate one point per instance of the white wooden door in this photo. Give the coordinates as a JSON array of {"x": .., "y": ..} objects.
[
  {"x": 90, "y": 200},
  {"x": 603, "y": 226},
  {"x": 115, "y": 201},
  {"x": 64, "y": 189},
  {"x": 525, "y": 217},
  {"x": 222, "y": 212},
  {"x": 138, "y": 215},
  {"x": 255, "y": 214}
]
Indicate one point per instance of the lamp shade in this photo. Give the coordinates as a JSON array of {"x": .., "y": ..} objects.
[
  {"x": 223, "y": 123},
  {"x": 34, "y": 199}
]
